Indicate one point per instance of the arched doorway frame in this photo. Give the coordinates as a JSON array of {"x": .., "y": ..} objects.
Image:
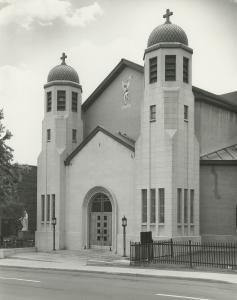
[{"x": 86, "y": 218}]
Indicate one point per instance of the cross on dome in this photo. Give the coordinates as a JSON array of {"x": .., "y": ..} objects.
[
  {"x": 167, "y": 16},
  {"x": 63, "y": 58}
]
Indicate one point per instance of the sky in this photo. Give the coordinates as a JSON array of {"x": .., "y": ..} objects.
[{"x": 96, "y": 34}]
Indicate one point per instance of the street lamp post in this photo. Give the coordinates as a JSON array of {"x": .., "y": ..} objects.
[
  {"x": 54, "y": 222},
  {"x": 124, "y": 224}
]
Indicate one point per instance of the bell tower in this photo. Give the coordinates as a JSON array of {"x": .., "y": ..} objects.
[
  {"x": 168, "y": 148},
  {"x": 62, "y": 132}
]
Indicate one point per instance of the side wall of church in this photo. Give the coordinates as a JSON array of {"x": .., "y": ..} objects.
[
  {"x": 110, "y": 111},
  {"x": 218, "y": 201},
  {"x": 215, "y": 127},
  {"x": 104, "y": 163}
]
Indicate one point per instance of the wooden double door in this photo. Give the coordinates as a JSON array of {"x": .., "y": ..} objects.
[{"x": 100, "y": 222}]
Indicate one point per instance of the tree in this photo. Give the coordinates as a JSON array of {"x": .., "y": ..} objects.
[{"x": 10, "y": 207}]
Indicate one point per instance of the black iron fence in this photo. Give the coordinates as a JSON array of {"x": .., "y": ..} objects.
[
  {"x": 188, "y": 253},
  {"x": 8, "y": 243}
]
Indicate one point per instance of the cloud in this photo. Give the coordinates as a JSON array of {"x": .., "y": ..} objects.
[
  {"x": 22, "y": 102},
  {"x": 45, "y": 12}
]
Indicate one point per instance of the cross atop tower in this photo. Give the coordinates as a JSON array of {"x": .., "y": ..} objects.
[
  {"x": 63, "y": 57},
  {"x": 167, "y": 16}
]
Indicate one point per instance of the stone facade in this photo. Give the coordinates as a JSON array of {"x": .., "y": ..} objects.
[{"x": 122, "y": 156}]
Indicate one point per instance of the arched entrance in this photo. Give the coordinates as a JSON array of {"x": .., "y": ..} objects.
[{"x": 100, "y": 221}]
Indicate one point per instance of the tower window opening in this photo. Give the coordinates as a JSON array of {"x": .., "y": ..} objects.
[
  {"x": 153, "y": 69},
  {"x": 61, "y": 100},
  {"x": 186, "y": 113},
  {"x": 49, "y": 101},
  {"x": 74, "y": 102},
  {"x": 48, "y": 135},
  {"x": 170, "y": 67},
  {"x": 185, "y": 69},
  {"x": 152, "y": 113},
  {"x": 74, "y": 135}
]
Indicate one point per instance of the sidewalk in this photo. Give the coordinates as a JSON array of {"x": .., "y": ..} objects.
[{"x": 102, "y": 262}]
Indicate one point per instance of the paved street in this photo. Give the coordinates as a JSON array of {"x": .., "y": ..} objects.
[{"x": 24, "y": 284}]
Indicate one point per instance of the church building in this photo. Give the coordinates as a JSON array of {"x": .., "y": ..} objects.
[{"x": 146, "y": 145}]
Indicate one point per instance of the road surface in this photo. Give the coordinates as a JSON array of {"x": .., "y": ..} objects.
[{"x": 16, "y": 284}]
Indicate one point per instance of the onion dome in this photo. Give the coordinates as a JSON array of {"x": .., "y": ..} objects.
[
  {"x": 63, "y": 72},
  {"x": 167, "y": 33}
]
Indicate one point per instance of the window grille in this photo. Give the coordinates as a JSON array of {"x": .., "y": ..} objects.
[
  {"x": 74, "y": 135},
  {"x": 48, "y": 135},
  {"x": 185, "y": 113},
  {"x": 61, "y": 100},
  {"x": 49, "y": 101},
  {"x": 153, "y": 69},
  {"x": 152, "y": 113},
  {"x": 185, "y": 69},
  {"x": 74, "y": 102},
  {"x": 170, "y": 67}
]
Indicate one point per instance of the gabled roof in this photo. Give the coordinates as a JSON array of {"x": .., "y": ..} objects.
[
  {"x": 90, "y": 137},
  {"x": 200, "y": 94},
  {"x": 106, "y": 82},
  {"x": 231, "y": 97},
  {"x": 227, "y": 153}
]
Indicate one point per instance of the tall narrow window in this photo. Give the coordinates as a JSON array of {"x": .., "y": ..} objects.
[
  {"x": 153, "y": 206},
  {"x": 61, "y": 100},
  {"x": 74, "y": 135},
  {"x": 170, "y": 67},
  {"x": 48, "y": 135},
  {"x": 74, "y": 101},
  {"x": 53, "y": 206},
  {"x": 185, "y": 206},
  {"x": 42, "y": 207},
  {"x": 179, "y": 206},
  {"x": 236, "y": 216},
  {"x": 152, "y": 113},
  {"x": 191, "y": 206},
  {"x": 49, "y": 101},
  {"x": 48, "y": 209},
  {"x": 153, "y": 69},
  {"x": 161, "y": 205},
  {"x": 185, "y": 69},
  {"x": 186, "y": 113},
  {"x": 144, "y": 206}
]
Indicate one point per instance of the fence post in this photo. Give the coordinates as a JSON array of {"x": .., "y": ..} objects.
[
  {"x": 172, "y": 250},
  {"x": 190, "y": 253}
]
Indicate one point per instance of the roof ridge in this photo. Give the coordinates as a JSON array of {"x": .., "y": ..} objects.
[
  {"x": 109, "y": 78},
  {"x": 90, "y": 136}
]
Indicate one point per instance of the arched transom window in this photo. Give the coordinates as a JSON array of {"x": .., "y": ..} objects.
[{"x": 101, "y": 203}]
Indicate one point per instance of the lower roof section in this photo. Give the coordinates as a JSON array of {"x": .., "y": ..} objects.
[{"x": 122, "y": 141}]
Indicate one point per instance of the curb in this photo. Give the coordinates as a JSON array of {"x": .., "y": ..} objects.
[{"x": 107, "y": 272}]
